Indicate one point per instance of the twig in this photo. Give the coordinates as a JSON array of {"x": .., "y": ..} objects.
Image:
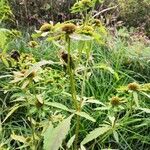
[{"x": 104, "y": 10}]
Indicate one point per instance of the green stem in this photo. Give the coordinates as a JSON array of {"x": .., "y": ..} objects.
[
  {"x": 71, "y": 74},
  {"x": 73, "y": 92}
]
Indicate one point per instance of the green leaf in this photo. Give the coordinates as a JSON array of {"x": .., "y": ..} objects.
[
  {"x": 70, "y": 142},
  {"x": 13, "y": 109},
  {"x": 107, "y": 68},
  {"x": 145, "y": 110},
  {"x": 57, "y": 105},
  {"x": 82, "y": 147},
  {"x": 18, "y": 138},
  {"x": 112, "y": 119},
  {"x": 102, "y": 108},
  {"x": 25, "y": 84},
  {"x": 145, "y": 94},
  {"x": 95, "y": 133},
  {"x": 4, "y": 37},
  {"x": 5, "y": 62},
  {"x": 37, "y": 66},
  {"x": 81, "y": 37},
  {"x": 95, "y": 102},
  {"x": 85, "y": 115},
  {"x": 53, "y": 137},
  {"x": 116, "y": 137},
  {"x": 5, "y": 76}
]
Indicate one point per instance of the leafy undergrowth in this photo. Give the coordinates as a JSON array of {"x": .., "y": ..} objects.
[{"x": 74, "y": 87}]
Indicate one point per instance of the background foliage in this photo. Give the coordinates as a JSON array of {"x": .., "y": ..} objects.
[{"x": 134, "y": 13}]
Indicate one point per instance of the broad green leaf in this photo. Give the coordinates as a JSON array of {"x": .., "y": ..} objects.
[
  {"x": 85, "y": 115},
  {"x": 95, "y": 133},
  {"x": 70, "y": 142},
  {"x": 54, "y": 137},
  {"x": 82, "y": 147},
  {"x": 37, "y": 66},
  {"x": 57, "y": 105}
]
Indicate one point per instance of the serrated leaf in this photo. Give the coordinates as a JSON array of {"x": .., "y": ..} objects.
[
  {"x": 85, "y": 115},
  {"x": 53, "y": 137},
  {"x": 95, "y": 133},
  {"x": 70, "y": 142}
]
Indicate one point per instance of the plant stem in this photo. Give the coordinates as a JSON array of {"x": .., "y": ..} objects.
[
  {"x": 73, "y": 92},
  {"x": 71, "y": 74}
]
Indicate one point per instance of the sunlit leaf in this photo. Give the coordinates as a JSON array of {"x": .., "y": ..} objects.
[
  {"x": 57, "y": 105},
  {"x": 37, "y": 66},
  {"x": 82, "y": 147},
  {"x": 40, "y": 99},
  {"x": 25, "y": 84},
  {"x": 54, "y": 137},
  {"x": 18, "y": 138},
  {"x": 116, "y": 137},
  {"x": 95, "y": 102},
  {"x": 81, "y": 37},
  {"x": 102, "y": 108},
  {"x": 70, "y": 142},
  {"x": 85, "y": 115},
  {"x": 95, "y": 133},
  {"x": 145, "y": 110}
]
